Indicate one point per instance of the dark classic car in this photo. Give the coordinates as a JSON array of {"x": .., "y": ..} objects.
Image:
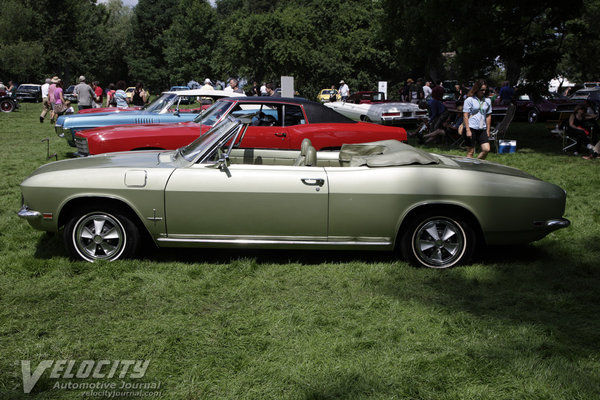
[
  {"x": 278, "y": 123},
  {"x": 69, "y": 94},
  {"x": 384, "y": 195},
  {"x": 546, "y": 107},
  {"x": 29, "y": 92}
]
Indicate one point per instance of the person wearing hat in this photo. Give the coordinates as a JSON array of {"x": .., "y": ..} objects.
[
  {"x": 55, "y": 79},
  {"x": 45, "y": 101},
  {"x": 85, "y": 94},
  {"x": 344, "y": 90},
  {"x": 207, "y": 84}
]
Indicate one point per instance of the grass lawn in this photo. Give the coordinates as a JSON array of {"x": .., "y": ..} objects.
[{"x": 519, "y": 323}]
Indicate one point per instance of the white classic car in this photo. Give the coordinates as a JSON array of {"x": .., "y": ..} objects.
[{"x": 372, "y": 107}]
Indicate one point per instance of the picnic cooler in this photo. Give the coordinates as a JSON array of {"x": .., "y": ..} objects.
[{"x": 507, "y": 146}]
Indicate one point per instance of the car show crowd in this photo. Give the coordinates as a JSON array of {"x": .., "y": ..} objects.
[{"x": 453, "y": 109}]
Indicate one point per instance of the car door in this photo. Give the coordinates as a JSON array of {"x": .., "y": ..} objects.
[
  {"x": 270, "y": 125},
  {"x": 247, "y": 202}
]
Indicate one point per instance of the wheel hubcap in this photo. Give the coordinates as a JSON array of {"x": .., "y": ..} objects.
[
  {"x": 439, "y": 242},
  {"x": 99, "y": 237}
]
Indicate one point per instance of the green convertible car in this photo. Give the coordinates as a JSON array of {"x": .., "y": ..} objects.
[{"x": 382, "y": 196}]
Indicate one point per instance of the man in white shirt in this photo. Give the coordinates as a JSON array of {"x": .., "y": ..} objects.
[
  {"x": 344, "y": 90},
  {"x": 427, "y": 90},
  {"x": 263, "y": 89},
  {"x": 45, "y": 101}
]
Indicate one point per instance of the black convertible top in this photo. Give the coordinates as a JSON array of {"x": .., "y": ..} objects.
[{"x": 316, "y": 113}]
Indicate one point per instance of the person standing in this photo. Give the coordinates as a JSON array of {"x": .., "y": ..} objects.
[
  {"x": 45, "y": 101},
  {"x": 477, "y": 119},
  {"x": 506, "y": 93},
  {"x": 271, "y": 91},
  {"x": 120, "y": 96},
  {"x": 427, "y": 90},
  {"x": 207, "y": 85},
  {"x": 263, "y": 89},
  {"x": 344, "y": 90},
  {"x": 84, "y": 94},
  {"x": 55, "y": 79},
  {"x": 98, "y": 95},
  {"x": 110, "y": 96},
  {"x": 60, "y": 105},
  {"x": 140, "y": 96},
  {"x": 255, "y": 89}
]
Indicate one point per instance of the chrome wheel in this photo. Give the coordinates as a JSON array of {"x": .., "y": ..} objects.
[
  {"x": 99, "y": 236},
  {"x": 435, "y": 240}
]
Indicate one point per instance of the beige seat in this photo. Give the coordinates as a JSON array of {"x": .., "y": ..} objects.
[
  {"x": 303, "y": 149},
  {"x": 310, "y": 159}
]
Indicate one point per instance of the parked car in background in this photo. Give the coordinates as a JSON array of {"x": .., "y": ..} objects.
[
  {"x": 184, "y": 100},
  {"x": 367, "y": 97},
  {"x": 383, "y": 196},
  {"x": 367, "y": 108},
  {"x": 69, "y": 94},
  {"x": 8, "y": 103},
  {"x": 326, "y": 95},
  {"x": 129, "y": 92},
  {"x": 548, "y": 106},
  {"x": 108, "y": 110},
  {"x": 165, "y": 109},
  {"x": 582, "y": 95},
  {"x": 29, "y": 92},
  {"x": 277, "y": 123}
]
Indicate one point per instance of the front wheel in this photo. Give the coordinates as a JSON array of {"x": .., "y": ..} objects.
[
  {"x": 7, "y": 105},
  {"x": 101, "y": 233},
  {"x": 435, "y": 240}
]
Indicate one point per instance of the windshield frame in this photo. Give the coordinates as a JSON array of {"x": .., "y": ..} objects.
[
  {"x": 162, "y": 104},
  {"x": 202, "y": 147}
]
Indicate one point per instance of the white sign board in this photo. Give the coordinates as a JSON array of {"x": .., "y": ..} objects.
[
  {"x": 383, "y": 88},
  {"x": 287, "y": 86}
]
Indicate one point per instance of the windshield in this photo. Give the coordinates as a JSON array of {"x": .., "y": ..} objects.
[
  {"x": 213, "y": 113},
  {"x": 163, "y": 104},
  {"x": 209, "y": 139}
]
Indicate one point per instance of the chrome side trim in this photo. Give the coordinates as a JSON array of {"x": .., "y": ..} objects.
[
  {"x": 244, "y": 241},
  {"x": 26, "y": 213}
]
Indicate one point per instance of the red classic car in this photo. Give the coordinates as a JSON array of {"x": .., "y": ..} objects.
[{"x": 277, "y": 123}]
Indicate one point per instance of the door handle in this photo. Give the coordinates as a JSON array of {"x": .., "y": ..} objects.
[
  {"x": 280, "y": 134},
  {"x": 313, "y": 181}
]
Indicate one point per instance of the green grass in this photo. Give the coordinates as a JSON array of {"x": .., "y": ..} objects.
[{"x": 519, "y": 323}]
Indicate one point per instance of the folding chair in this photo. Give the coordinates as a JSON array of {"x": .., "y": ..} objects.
[{"x": 499, "y": 131}]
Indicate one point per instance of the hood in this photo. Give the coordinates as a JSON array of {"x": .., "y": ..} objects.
[
  {"x": 96, "y": 119},
  {"x": 473, "y": 164},
  {"x": 130, "y": 159}
]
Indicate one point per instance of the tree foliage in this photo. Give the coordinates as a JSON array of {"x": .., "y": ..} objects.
[{"x": 319, "y": 42}]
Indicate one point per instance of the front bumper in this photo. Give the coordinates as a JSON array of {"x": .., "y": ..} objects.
[
  {"x": 553, "y": 224},
  {"x": 29, "y": 214}
]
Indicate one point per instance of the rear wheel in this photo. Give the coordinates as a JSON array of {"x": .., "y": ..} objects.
[
  {"x": 437, "y": 240},
  {"x": 101, "y": 233},
  {"x": 7, "y": 105}
]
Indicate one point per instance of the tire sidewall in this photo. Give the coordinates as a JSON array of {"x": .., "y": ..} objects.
[
  {"x": 130, "y": 232},
  {"x": 408, "y": 239}
]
